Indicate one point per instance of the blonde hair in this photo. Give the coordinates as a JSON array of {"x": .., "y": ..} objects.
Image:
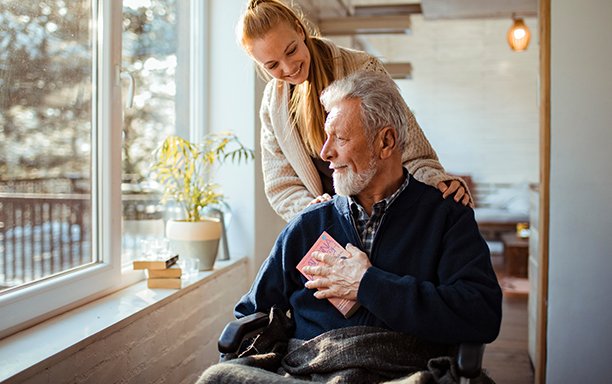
[{"x": 307, "y": 113}]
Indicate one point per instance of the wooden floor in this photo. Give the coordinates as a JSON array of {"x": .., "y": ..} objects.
[{"x": 506, "y": 359}]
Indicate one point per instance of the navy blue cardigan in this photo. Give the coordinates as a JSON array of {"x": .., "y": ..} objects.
[{"x": 431, "y": 275}]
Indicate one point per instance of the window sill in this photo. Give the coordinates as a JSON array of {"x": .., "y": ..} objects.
[{"x": 56, "y": 338}]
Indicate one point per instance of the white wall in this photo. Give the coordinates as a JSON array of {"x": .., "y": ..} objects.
[
  {"x": 234, "y": 105},
  {"x": 580, "y": 298},
  {"x": 231, "y": 107},
  {"x": 475, "y": 99}
]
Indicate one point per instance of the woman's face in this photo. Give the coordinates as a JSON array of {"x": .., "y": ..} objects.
[{"x": 282, "y": 53}]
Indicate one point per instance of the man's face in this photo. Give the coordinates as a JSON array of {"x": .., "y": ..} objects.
[{"x": 348, "y": 149}]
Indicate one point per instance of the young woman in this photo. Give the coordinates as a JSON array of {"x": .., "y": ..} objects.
[{"x": 299, "y": 66}]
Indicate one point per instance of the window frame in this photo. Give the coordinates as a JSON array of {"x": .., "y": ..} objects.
[
  {"x": 37, "y": 302},
  {"x": 33, "y": 303}
]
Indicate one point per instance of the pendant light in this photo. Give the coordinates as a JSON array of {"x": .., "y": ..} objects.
[{"x": 518, "y": 35}]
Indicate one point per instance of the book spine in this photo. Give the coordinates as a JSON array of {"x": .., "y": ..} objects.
[
  {"x": 171, "y": 261},
  {"x": 165, "y": 273},
  {"x": 155, "y": 264},
  {"x": 164, "y": 283}
]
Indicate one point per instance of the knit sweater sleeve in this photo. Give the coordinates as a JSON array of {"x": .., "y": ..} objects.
[
  {"x": 419, "y": 156},
  {"x": 284, "y": 189},
  {"x": 269, "y": 287}
]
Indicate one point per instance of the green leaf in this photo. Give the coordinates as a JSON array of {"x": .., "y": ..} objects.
[{"x": 184, "y": 169}]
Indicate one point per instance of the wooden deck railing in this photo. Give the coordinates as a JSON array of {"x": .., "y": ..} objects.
[{"x": 42, "y": 234}]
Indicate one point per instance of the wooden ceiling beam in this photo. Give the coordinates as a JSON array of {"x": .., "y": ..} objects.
[
  {"x": 399, "y": 70},
  {"x": 356, "y": 25},
  {"x": 386, "y": 9},
  {"x": 474, "y": 9}
]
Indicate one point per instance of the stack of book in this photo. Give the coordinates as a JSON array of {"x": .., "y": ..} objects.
[{"x": 161, "y": 273}]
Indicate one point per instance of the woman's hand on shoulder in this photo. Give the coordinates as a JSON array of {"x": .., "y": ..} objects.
[
  {"x": 320, "y": 199},
  {"x": 450, "y": 187}
]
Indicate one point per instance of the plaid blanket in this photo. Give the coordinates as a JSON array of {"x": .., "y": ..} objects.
[{"x": 347, "y": 355}]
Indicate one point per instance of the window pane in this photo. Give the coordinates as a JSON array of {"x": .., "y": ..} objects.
[
  {"x": 150, "y": 55},
  {"x": 45, "y": 139}
]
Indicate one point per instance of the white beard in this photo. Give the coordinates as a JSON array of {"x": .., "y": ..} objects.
[{"x": 351, "y": 183}]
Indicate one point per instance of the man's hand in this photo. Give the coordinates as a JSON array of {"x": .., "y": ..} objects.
[
  {"x": 456, "y": 188},
  {"x": 338, "y": 277}
]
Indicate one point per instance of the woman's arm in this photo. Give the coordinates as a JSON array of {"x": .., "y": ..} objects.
[
  {"x": 420, "y": 158},
  {"x": 284, "y": 189}
]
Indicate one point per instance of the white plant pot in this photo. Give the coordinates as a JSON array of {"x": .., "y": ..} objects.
[{"x": 198, "y": 240}]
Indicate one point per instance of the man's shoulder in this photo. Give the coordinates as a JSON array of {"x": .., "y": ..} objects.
[
  {"x": 316, "y": 216},
  {"x": 302, "y": 231},
  {"x": 322, "y": 211}
]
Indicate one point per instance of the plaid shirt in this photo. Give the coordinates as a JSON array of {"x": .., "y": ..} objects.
[{"x": 367, "y": 226}]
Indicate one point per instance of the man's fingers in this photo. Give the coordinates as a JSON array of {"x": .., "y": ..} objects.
[
  {"x": 318, "y": 270},
  {"x": 326, "y": 257},
  {"x": 352, "y": 250},
  {"x": 317, "y": 283}
]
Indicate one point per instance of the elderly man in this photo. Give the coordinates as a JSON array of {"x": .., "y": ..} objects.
[{"x": 416, "y": 263}]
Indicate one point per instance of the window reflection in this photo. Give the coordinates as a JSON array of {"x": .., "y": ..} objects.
[
  {"x": 45, "y": 139},
  {"x": 150, "y": 55}
]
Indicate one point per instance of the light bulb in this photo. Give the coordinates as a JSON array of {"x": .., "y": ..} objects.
[{"x": 518, "y": 35}]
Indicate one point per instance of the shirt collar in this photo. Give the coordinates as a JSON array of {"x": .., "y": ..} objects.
[{"x": 384, "y": 203}]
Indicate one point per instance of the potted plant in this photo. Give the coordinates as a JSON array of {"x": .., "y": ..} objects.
[{"x": 184, "y": 171}]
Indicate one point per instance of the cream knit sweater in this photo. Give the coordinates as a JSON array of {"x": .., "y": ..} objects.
[{"x": 290, "y": 177}]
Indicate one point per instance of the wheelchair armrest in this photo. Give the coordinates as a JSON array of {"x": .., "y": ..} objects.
[
  {"x": 236, "y": 331},
  {"x": 469, "y": 359}
]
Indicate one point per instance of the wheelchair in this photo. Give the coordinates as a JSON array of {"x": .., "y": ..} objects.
[{"x": 468, "y": 358}]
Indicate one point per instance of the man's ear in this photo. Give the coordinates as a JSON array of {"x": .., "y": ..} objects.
[{"x": 387, "y": 141}]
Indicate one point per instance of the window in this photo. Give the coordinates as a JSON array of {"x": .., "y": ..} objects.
[
  {"x": 74, "y": 195},
  {"x": 152, "y": 60},
  {"x": 45, "y": 151}
]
